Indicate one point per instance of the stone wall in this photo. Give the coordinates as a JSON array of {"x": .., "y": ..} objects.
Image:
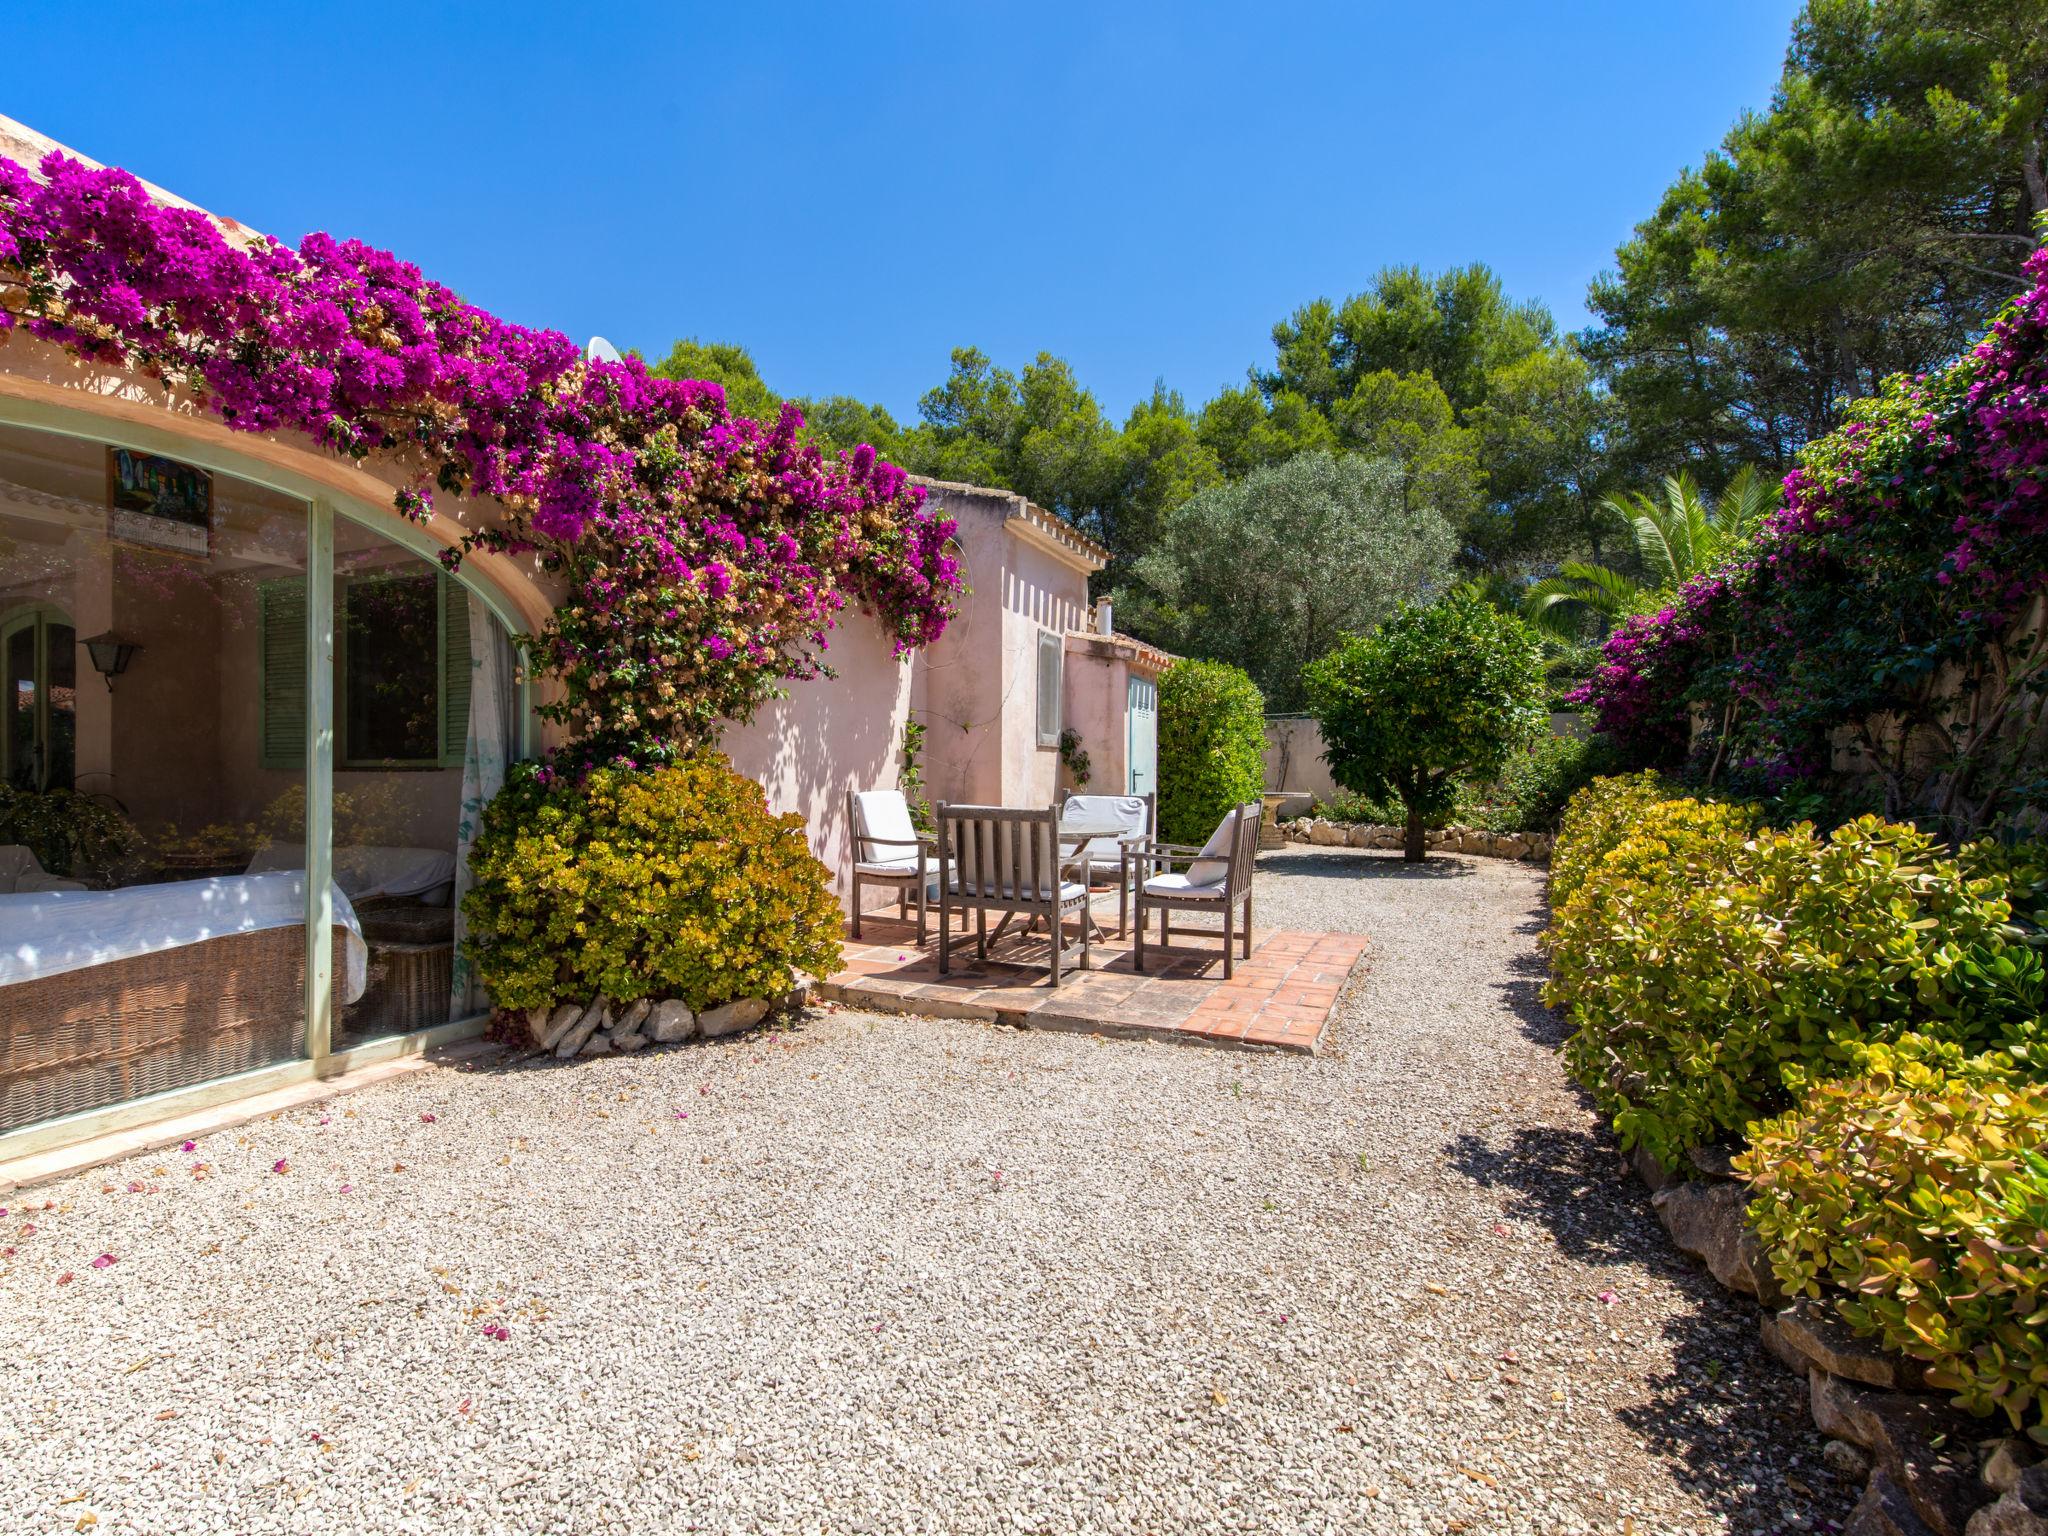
[{"x": 1533, "y": 847}]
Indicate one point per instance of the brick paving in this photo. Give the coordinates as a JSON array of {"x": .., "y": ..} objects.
[{"x": 1282, "y": 997}]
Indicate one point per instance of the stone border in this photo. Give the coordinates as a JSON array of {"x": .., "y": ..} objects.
[
  {"x": 1926, "y": 1467},
  {"x": 1529, "y": 847}
]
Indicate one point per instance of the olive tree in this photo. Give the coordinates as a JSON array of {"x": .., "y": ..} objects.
[
  {"x": 1433, "y": 695},
  {"x": 1267, "y": 573}
]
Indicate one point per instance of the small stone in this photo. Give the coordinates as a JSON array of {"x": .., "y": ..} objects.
[
  {"x": 537, "y": 1024},
  {"x": 634, "y": 1041},
  {"x": 672, "y": 1021},
  {"x": 1921, "y": 1447},
  {"x": 559, "y": 1024},
  {"x": 2010, "y": 1516},
  {"x": 1775, "y": 1344},
  {"x": 1359, "y": 836},
  {"x": 1850, "y": 1463},
  {"x": 634, "y": 1016},
  {"x": 730, "y": 1018},
  {"x": 1327, "y": 834},
  {"x": 2004, "y": 1461},
  {"x": 1884, "y": 1511},
  {"x": 597, "y": 1045}
]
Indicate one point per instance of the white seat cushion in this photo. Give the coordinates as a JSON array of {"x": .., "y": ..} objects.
[
  {"x": 896, "y": 869},
  {"x": 1180, "y": 885},
  {"x": 884, "y": 813},
  {"x": 1069, "y": 891},
  {"x": 21, "y": 871}
]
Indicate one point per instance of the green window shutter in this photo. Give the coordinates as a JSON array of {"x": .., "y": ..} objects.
[
  {"x": 455, "y": 672},
  {"x": 281, "y": 652}
]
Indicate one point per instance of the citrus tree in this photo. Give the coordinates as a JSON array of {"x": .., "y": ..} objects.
[{"x": 1434, "y": 694}]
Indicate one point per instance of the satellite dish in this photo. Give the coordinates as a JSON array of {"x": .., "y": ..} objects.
[{"x": 602, "y": 351}]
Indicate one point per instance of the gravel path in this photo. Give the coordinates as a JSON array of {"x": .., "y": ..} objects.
[{"x": 883, "y": 1274}]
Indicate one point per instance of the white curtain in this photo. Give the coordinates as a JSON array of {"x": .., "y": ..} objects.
[{"x": 493, "y": 743}]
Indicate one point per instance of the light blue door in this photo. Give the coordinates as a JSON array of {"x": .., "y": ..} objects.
[{"x": 1141, "y": 740}]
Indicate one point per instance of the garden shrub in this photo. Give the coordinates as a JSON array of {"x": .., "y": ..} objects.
[
  {"x": 1928, "y": 1206},
  {"x": 1714, "y": 972},
  {"x": 1212, "y": 746},
  {"x": 1593, "y": 823},
  {"x": 69, "y": 833},
  {"x": 666, "y": 882},
  {"x": 1532, "y": 790}
]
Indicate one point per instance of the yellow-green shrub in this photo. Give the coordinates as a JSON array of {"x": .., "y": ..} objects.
[
  {"x": 1927, "y": 1203},
  {"x": 1713, "y": 972},
  {"x": 666, "y": 882},
  {"x": 1595, "y": 820}
]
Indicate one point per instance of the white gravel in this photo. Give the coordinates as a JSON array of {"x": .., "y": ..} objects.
[{"x": 886, "y": 1274}]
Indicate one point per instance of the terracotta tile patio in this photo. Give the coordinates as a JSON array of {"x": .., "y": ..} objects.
[{"x": 1282, "y": 997}]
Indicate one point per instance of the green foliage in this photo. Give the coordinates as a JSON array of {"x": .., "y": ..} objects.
[
  {"x": 1531, "y": 792},
  {"x": 1212, "y": 747},
  {"x": 1362, "y": 810},
  {"x": 1595, "y": 821},
  {"x": 69, "y": 833},
  {"x": 1713, "y": 971},
  {"x": 1268, "y": 573},
  {"x": 1433, "y": 695},
  {"x": 672, "y": 882},
  {"x": 1074, "y": 758},
  {"x": 1926, "y": 1203},
  {"x": 910, "y": 779}
]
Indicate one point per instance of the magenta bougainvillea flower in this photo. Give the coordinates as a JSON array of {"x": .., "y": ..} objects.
[
  {"x": 706, "y": 557},
  {"x": 1909, "y": 540}
]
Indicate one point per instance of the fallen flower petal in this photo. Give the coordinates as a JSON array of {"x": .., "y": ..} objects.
[
  {"x": 280, "y": 1166},
  {"x": 188, "y": 1146},
  {"x": 426, "y": 1119},
  {"x": 66, "y": 1278},
  {"x": 1608, "y": 1298},
  {"x": 104, "y": 1261},
  {"x": 346, "y": 1188}
]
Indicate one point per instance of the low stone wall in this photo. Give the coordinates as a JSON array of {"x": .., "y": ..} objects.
[
  {"x": 1533, "y": 847},
  {"x": 1925, "y": 1467}
]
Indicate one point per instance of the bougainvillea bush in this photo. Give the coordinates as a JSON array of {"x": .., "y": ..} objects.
[
  {"x": 663, "y": 882},
  {"x": 1891, "y": 607},
  {"x": 706, "y": 557}
]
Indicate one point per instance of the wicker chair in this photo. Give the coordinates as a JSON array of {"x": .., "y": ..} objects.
[
  {"x": 1218, "y": 878},
  {"x": 995, "y": 859},
  {"x": 105, "y": 1034}
]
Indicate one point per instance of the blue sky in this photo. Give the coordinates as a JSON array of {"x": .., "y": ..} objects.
[{"x": 851, "y": 190}]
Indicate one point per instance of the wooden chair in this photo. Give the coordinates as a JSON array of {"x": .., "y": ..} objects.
[
  {"x": 995, "y": 859},
  {"x": 888, "y": 851},
  {"x": 1218, "y": 878},
  {"x": 1136, "y": 813}
]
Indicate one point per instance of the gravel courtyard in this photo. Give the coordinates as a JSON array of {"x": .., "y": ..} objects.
[{"x": 889, "y": 1274}]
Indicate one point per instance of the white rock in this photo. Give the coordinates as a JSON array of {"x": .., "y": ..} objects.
[
  {"x": 595, "y": 1017},
  {"x": 672, "y": 1021},
  {"x": 559, "y": 1024},
  {"x": 1327, "y": 834},
  {"x": 730, "y": 1018}
]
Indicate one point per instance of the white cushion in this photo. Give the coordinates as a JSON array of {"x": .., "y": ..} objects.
[
  {"x": 366, "y": 871},
  {"x": 1069, "y": 891},
  {"x": 1127, "y": 811},
  {"x": 884, "y": 813},
  {"x": 890, "y": 869},
  {"x": 1211, "y": 871},
  {"x": 21, "y": 871},
  {"x": 1180, "y": 885}
]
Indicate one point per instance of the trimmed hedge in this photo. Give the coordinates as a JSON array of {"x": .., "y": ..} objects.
[
  {"x": 667, "y": 882},
  {"x": 1212, "y": 746}
]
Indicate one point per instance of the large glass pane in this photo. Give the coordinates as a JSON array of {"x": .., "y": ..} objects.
[
  {"x": 152, "y": 819},
  {"x": 426, "y": 715}
]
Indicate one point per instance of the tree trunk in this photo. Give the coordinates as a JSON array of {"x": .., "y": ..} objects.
[{"x": 1415, "y": 845}]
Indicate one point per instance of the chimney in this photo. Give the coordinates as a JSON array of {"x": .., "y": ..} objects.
[{"x": 1103, "y": 623}]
